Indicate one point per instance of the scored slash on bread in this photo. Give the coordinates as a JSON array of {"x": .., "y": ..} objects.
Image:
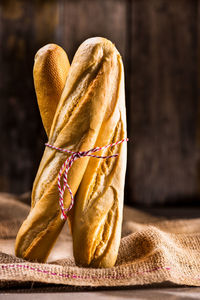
[{"x": 91, "y": 112}]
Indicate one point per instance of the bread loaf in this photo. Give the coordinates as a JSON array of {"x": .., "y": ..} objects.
[
  {"x": 91, "y": 112},
  {"x": 97, "y": 216},
  {"x": 51, "y": 67}
]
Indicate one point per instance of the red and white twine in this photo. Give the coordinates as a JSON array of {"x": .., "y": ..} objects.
[{"x": 67, "y": 165}]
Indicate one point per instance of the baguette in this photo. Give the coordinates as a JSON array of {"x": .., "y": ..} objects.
[
  {"x": 51, "y": 67},
  {"x": 50, "y": 70},
  {"x": 97, "y": 216},
  {"x": 91, "y": 94}
]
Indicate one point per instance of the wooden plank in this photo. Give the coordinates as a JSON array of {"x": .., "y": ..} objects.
[
  {"x": 24, "y": 29},
  {"x": 82, "y": 19},
  {"x": 162, "y": 112},
  {"x": 198, "y": 87}
]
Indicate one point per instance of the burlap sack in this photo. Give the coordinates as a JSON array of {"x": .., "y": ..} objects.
[{"x": 152, "y": 250}]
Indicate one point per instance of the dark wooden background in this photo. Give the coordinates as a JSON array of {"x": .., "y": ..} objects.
[{"x": 159, "y": 43}]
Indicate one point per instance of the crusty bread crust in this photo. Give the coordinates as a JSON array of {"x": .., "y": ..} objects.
[
  {"x": 50, "y": 71},
  {"x": 97, "y": 217},
  {"x": 91, "y": 112}
]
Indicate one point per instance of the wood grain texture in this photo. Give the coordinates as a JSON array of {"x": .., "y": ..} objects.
[
  {"x": 82, "y": 19},
  {"x": 159, "y": 43},
  {"x": 22, "y": 32},
  {"x": 198, "y": 96},
  {"x": 163, "y": 104}
]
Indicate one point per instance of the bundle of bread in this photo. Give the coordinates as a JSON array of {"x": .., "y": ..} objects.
[{"x": 86, "y": 111}]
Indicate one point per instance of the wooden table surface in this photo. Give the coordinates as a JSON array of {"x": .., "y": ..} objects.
[{"x": 143, "y": 293}]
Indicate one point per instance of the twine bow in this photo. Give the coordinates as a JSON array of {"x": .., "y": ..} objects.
[{"x": 67, "y": 165}]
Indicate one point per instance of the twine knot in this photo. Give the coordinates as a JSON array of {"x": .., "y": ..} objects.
[
  {"x": 79, "y": 154},
  {"x": 67, "y": 165}
]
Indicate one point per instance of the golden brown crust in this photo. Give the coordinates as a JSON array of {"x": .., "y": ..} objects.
[
  {"x": 99, "y": 201},
  {"x": 50, "y": 71},
  {"x": 87, "y": 102}
]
